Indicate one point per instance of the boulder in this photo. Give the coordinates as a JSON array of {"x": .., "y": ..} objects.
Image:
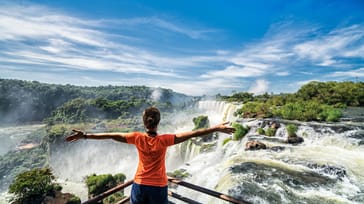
[
  {"x": 255, "y": 145},
  {"x": 294, "y": 140},
  {"x": 274, "y": 124}
]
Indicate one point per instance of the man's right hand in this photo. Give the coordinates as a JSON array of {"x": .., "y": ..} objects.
[{"x": 77, "y": 134}]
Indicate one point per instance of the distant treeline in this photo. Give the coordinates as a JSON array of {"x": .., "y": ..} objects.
[
  {"x": 25, "y": 101},
  {"x": 320, "y": 101}
]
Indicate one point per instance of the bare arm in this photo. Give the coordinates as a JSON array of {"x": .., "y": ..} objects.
[
  {"x": 77, "y": 134},
  {"x": 181, "y": 137}
]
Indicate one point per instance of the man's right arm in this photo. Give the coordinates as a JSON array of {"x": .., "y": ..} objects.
[{"x": 181, "y": 137}]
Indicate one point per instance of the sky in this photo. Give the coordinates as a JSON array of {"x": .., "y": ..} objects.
[{"x": 192, "y": 47}]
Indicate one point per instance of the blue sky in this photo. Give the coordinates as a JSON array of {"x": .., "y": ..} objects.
[{"x": 192, "y": 47}]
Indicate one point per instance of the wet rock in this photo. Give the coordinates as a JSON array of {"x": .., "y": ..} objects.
[
  {"x": 338, "y": 172},
  {"x": 294, "y": 140},
  {"x": 60, "y": 198},
  {"x": 275, "y": 124},
  {"x": 254, "y": 145},
  {"x": 277, "y": 148}
]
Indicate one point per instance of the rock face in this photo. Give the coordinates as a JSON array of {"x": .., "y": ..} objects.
[
  {"x": 294, "y": 140},
  {"x": 61, "y": 198},
  {"x": 255, "y": 145}
]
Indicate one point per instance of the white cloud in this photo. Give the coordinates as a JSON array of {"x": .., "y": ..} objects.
[
  {"x": 43, "y": 37},
  {"x": 342, "y": 42},
  {"x": 235, "y": 72},
  {"x": 259, "y": 87},
  {"x": 282, "y": 73},
  {"x": 351, "y": 73},
  {"x": 64, "y": 41},
  {"x": 199, "y": 87}
]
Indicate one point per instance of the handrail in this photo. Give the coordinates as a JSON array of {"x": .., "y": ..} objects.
[
  {"x": 170, "y": 193},
  {"x": 185, "y": 199},
  {"x": 207, "y": 191},
  {"x": 108, "y": 192}
]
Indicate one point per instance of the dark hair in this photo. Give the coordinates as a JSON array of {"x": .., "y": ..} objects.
[{"x": 151, "y": 117}]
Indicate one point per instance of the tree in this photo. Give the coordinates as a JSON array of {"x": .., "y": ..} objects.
[
  {"x": 33, "y": 186},
  {"x": 98, "y": 184}
]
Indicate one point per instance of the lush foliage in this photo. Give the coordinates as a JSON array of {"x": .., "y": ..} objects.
[
  {"x": 179, "y": 174},
  {"x": 74, "y": 200},
  {"x": 201, "y": 121},
  {"x": 33, "y": 186},
  {"x": 238, "y": 97},
  {"x": 23, "y": 101},
  {"x": 333, "y": 93},
  {"x": 291, "y": 130},
  {"x": 261, "y": 131},
  {"x": 308, "y": 111},
  {"x": 270, "y": 131},
  {"x": 98, "y": 184},
  {"x": 318, "y": 101},
  {"x": 255, "y": 110},
  {"x": 240, "y": 131}
]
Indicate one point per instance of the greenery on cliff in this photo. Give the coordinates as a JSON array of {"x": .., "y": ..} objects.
[
  {"x": 24, "y": 101},
  {"x": 315, "y": 101},
  {"x": 97, "y": 184},
  {"x": 35, "y": 185}
]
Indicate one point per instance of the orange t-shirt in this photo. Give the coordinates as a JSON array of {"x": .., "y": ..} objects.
[{"x": 152, "y": 151}]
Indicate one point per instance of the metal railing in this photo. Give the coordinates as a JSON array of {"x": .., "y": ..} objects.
[{"x": 176, "y": 181}]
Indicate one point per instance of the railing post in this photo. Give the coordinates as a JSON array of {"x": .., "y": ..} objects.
[{"x": 207, "y": 191}]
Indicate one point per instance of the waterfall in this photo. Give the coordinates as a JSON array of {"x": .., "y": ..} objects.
[
  {"x": 218, "y": 111},
  {"x": 326, "y": 168}
]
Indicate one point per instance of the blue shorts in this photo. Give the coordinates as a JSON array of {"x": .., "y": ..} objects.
[{"x": 148, "y": 194}]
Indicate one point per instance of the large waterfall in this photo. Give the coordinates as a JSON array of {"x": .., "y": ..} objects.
[{"x": 328, "y": 167}]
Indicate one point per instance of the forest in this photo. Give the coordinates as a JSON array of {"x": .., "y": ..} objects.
[
  {"x": 25, "y": 101},
  {"x": 315, "y": 101}
]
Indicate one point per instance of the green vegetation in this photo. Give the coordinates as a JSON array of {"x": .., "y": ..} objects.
[
  {"x": 24, "y": 101},
  {"x": 240, "y": 131},
  {"x": 179, "y": 174},
  {"x": 74, "y": 200},
  {"x": 33, "y": 186},
  {"x": 201, "y": 122},
  {"x": 98, "y": 184},
  {"x": 255, "y": 109},
  {"x": 308, "y": 111},
  {"x": 291, "y": 130},
  {"x": 270, "y": 132},
  {"x": 261, "y": 131},
  {"x": 315, "y": 101},
  {"x": 226, "y": 140}
]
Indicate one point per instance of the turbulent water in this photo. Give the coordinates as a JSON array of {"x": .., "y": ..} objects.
[{"x": 328, "y": 167}]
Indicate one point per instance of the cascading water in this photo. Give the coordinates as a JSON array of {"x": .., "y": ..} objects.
[{"x": 326, "y": 168}]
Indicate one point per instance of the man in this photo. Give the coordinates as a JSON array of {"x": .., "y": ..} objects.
[{"x": 150, "y": 180}]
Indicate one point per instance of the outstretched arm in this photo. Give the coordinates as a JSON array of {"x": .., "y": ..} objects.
[
  {"x": 77, "y": 134},
  {"x": 223, "y": 127}
]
